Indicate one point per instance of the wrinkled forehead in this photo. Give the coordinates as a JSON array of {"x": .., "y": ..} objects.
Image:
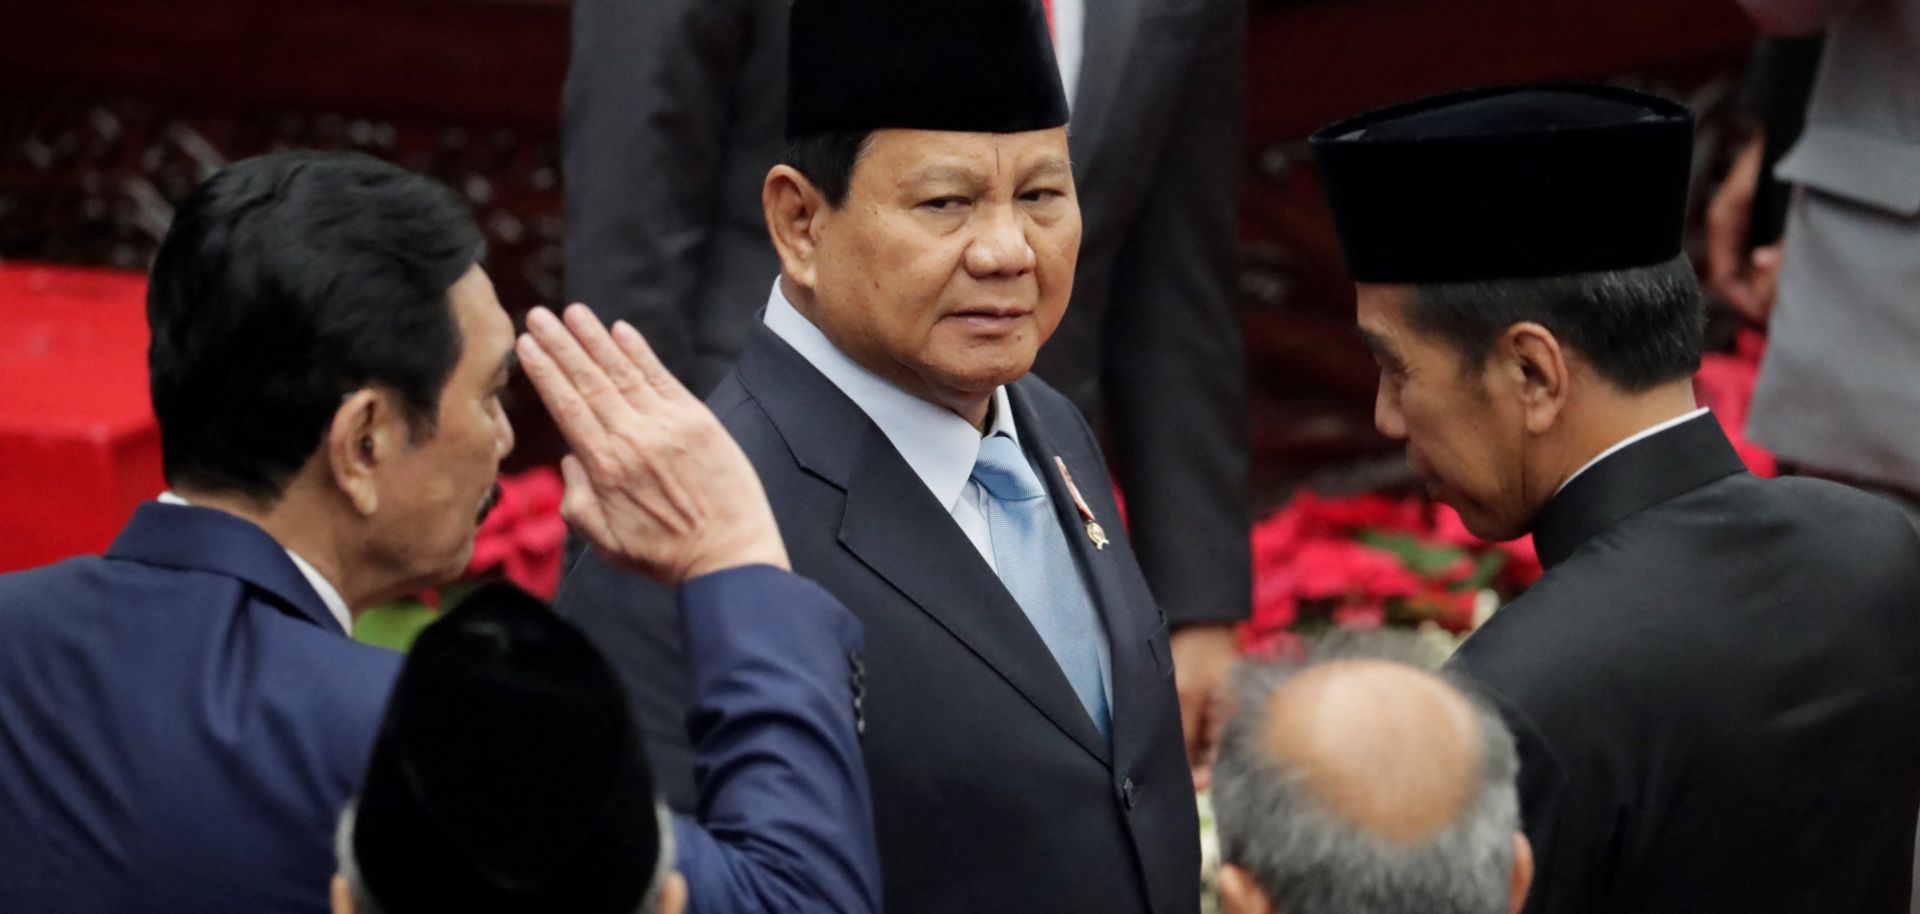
[{"x": 904, "y": 156}]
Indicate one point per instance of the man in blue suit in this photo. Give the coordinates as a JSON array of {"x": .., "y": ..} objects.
[{"x": 183, "y": 718}]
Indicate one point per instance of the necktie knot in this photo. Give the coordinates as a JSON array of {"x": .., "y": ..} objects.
[{"x": 1002, "y": 469}]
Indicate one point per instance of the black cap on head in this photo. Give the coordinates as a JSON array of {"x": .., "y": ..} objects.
[
  {"x": 982, "y": 66},
  {"x": 507, "y": 775},
  {"x": 1508, "y": 183}
]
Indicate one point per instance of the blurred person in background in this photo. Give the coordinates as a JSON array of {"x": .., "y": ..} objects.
[
  {"x": 1837, "y": 395},
  {"x": 673, "y": 114},
  {"x": 1712, "y": 687},
  {"x": 1358, "y": 784}
]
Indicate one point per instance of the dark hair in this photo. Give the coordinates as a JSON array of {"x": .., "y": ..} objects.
[
  {"x": 285, "y": 283},
  {"x": 1639, "y": 327},
  {"x": 827, "y": 159}
]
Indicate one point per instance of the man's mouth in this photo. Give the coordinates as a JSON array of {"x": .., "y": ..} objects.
[
  {"x": 488, "y": 504},
  {"x": 990, "y": 317}
]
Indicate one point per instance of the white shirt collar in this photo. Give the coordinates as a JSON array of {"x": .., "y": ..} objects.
[
  {"x": 1634, "y": 438},
  {"x": 940, "y": 446},
  {"x": 329, "y": 595}
]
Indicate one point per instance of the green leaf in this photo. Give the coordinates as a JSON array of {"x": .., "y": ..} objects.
[
  {"x": 1422, "y": 558},
  {"x": 394, "y": 625}
]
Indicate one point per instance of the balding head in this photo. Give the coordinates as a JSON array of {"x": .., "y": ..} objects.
[
  {"x": 1388, "y": 748},
  {"x": 1366, "y": 786}
]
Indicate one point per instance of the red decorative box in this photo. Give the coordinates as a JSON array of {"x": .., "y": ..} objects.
[{"x": 79, "y": 448}]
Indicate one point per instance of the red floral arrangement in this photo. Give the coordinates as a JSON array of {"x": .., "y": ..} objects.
[{"x": 1368, "y": 561}]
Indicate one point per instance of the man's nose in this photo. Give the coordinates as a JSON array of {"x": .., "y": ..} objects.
[
  {"x": 1387, "y": 417},
  {"x": 1000, "y": 248}
]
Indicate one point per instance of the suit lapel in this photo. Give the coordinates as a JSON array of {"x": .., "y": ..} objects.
[
  {"x": 894, "y": 526},
  {"x": 1106, "y": 571},
  {"x": 1111, "y": 27}
]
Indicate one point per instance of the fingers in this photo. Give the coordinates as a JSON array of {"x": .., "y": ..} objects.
[
  {"x": 581, "y": 505},
  {"x": 630, "y": 380},
  {"x": 636, "y": 349},
  {"x": 577, "y": 421},
  {"x": 579, "y": 369}
]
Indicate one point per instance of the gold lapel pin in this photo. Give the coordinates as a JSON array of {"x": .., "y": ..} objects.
[{"x": 1096, "y": 533}]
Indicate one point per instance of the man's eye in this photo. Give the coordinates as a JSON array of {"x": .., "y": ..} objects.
[
  {"x": 1041, "y": 195},
  {"x": 944, "y": 204}
]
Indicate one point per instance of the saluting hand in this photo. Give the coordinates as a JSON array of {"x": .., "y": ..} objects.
[{"x": 654, "y": 481}]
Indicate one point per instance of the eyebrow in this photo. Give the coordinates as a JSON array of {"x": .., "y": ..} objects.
[
  {"x": 939, "y": 174},
  {"x": 1381, "y": 348},
  {"x": 508, "y": 366},
  {"x": 1051, "y": 168}
]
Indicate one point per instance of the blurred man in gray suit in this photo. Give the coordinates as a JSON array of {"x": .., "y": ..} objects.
[
  {"x": 673, "y": 114},
  {"x": 1839, "y": 395}
]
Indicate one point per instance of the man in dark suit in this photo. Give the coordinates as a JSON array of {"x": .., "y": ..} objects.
[
  {"x": 1022, "y": 729},
  {"x": 182, "y": 719},
  {"x": 1713, "y": 687},
  {"x": 673, "y": 116}
]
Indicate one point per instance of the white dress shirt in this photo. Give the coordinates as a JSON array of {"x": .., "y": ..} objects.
[
  {"x": 1634, "y": 438},
  {"x": 329, "y": 595},
  {"x": 940, "y": 446}
]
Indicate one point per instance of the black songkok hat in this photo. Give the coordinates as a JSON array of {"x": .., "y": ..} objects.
[
  {"x": 1508, "y": 183},
  {"x": 979, "y": 66},
  {"x": 507, "y": 775}
]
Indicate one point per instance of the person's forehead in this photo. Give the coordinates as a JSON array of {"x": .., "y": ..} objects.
[
  {"x": 483, "y": 323},
  {"x": 917, "y": 154}
]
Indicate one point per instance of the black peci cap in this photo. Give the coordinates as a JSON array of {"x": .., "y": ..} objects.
[
  {"x": 1508, "y": 183},
  {"x": 508, "y": 775},
  {"x": 977, "y": 66}
]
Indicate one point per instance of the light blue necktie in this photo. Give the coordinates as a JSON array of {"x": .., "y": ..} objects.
[{"x": 1032, "y": 556}]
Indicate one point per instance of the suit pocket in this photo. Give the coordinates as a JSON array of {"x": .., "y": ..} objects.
[
  {"x": 1161, "y": 648},
  {"x": 1858, "y": 167}
]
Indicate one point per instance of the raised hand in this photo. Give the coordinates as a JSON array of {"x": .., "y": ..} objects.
[{"x": 654, "y": 481}]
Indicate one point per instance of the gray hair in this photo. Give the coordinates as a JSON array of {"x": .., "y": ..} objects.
[
  {"x": 1639, "y": 327},
  {"x": 1309, "y": 860},
  {"x": 364, "y": 902}
]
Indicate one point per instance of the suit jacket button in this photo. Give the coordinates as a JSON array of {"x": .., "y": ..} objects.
[{"x": 1127, "y": 792}]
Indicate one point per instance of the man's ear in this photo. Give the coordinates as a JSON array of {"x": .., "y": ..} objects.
[
  {"x": 793, "y": 208},
  {"x": 673, "y": 895},
  {"x": 1522, "y": 873},
  {"x": 342, "y": 896},
  {"x": 1239, "y": 894},
  {"x": 1533, "y": 362},
  {"x": 367, "y": 429}
]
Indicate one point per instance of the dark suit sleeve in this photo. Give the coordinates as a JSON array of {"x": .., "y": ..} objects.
[
  {"x": 1175, "y": 366},
  {"x": 786, "y": 820},
  {"x": 645, "y": 112},
  {"x": 1568, "y": 827}
]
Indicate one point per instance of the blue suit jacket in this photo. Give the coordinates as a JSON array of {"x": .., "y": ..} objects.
[
  {"x": 181, "y": 722},
  {"x": 785, "y": 817}
]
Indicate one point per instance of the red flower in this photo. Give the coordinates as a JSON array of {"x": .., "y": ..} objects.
[
  {"x": 1360, "y": 617},
  {"x": 523, "y": 538}
]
